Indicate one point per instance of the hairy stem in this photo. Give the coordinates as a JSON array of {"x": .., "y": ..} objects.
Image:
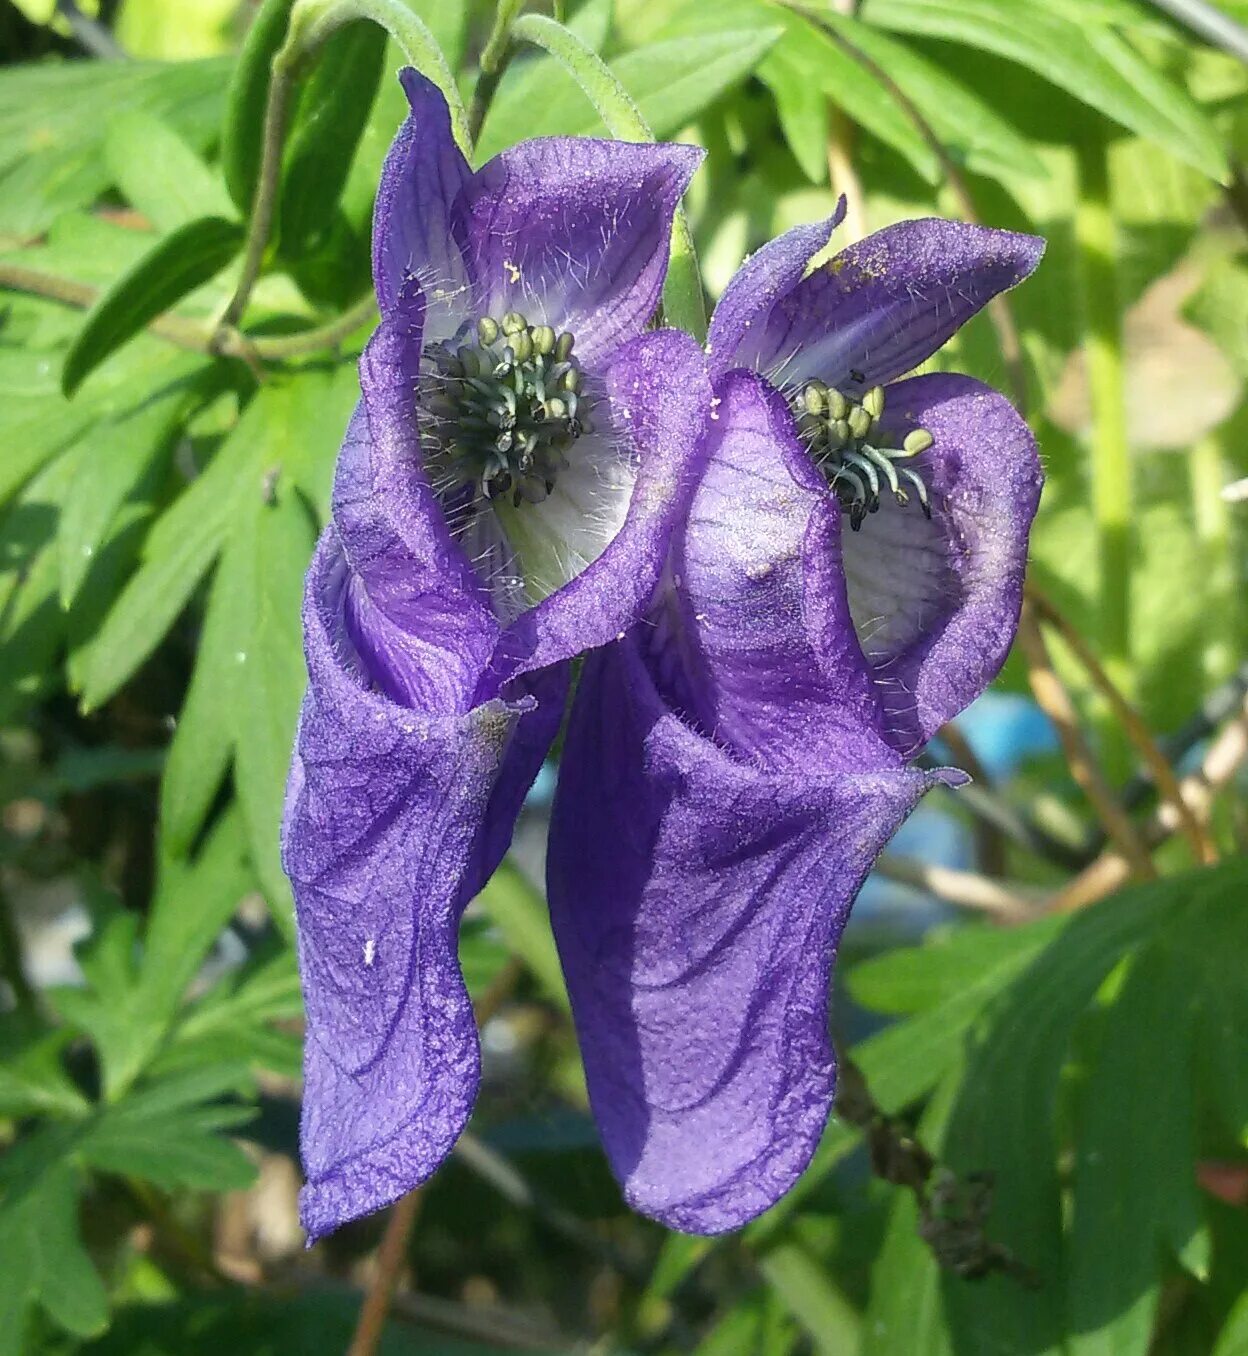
[
  {"x": 682, "y": 293},
  {"x": 224, "y": 340},
  {"x": 1053, "y": 699},
  {"x": 494, "y": 59}
]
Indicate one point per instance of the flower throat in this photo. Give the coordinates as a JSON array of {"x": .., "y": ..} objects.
[
  {"x": 504, "y": 412},
  {"x": 844, "y": 437}
]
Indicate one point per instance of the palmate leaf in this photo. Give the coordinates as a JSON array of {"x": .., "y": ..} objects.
[
  {"x": 132, "y": 996},
  {"x": 1090, "y": 62},
  {"x": 300, "y": 418}
]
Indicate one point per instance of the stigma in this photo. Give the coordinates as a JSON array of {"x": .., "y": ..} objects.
[
  {"x": 847, "y": 443},
  {"x": 502, "y": 410}
]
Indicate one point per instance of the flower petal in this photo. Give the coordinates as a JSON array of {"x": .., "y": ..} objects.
[
  {"x": 936, "y": 603},
  {"x": 413, "y": 233},
  {"x": 697, "y": 902},
  {"x": 414, "y": 605},
  {"x": 765, "y": 278},
  {"x": 886, "y": 304},
  {"x": 574, "y": 232},
  {"x": 659, "y": 395},
  {"x": 773, "y": 669},
  {"x": 394, "y": 818}
]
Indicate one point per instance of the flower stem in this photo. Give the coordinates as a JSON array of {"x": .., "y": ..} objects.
[
  {"x": 409, "y": 30},
  {"x": 1111, "y": 464},
  {"x": 1054, "y": 700},
  {"x": 1207, "y": 476},
  {"x": 312, "y": 23},
  {"x": 188, "y": 334},
  {"x": 390, "y": 1255},
  {"x": 683, "y": 301},
  {"x": 494, "y": 59}
]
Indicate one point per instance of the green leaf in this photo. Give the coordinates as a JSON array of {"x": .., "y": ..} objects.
[
  {"x": 33, "y": 1081},
  {"x": 1233, "y": 1339},
  {"x": 1004, "y": 1121},
  {"x": 181, "y": 262},
  {"x": 519, "y": 912},
  {"x": 810, "y": 1295},
  {"x": 332, "y": 113},
  {"x": 193, "y": 903},
  {"x": 1092, "y": 63},
  {"x": 42, "y": 1258},
  {"x": 1135, "y": 1180},
  {"x": 169, "y": 1133},
  {"x": 243, "y": 131},
  {"x": 108, "y": 463},
  {"x": 182, "y": 545},
  {"x": 804, "y": 70},
  {"x": 159, "y": 174},
  {"x": 203, "y": 739},
  {"x": 273, "y": 542},
  {"x": 1218, "y": 307},
  {"x": 32, "y": 625},
  {"x": 972, "y": 131},
  {"x": 962, "y": 976},
  {"x": 671, "y": 83},
  {"x": 265, "y": 1324},
  {"x": 54, "y": 118}
]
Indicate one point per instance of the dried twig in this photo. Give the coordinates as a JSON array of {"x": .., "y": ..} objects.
[
  {"x": 1053, "y": 699},
  {"x": 1133, "y": 725},
  {"x": 376, "y": 1306},
  {"x": 1111, "y": 870},
  {"x": 1005, "y": 902}
]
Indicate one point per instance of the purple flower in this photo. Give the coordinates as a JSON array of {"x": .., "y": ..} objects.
[
  {"x": 849, "y": 578},
  {"x": 504, "y": 500}
]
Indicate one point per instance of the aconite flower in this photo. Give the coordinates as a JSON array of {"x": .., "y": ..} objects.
[
  {"x": 849, "y": 578},
  {"x": 503, "y": 501}
]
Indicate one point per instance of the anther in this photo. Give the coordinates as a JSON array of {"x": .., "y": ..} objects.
[
  {"x": 873, "y": 402},
  {"x": 917, "y": 440}
]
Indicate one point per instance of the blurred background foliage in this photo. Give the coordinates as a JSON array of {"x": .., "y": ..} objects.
[{"x": 1068, "y": 1042}]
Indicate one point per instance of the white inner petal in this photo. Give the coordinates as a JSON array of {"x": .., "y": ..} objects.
[
  {"x": 525, "y": 552},
  {"x": 899, "y": 579}
]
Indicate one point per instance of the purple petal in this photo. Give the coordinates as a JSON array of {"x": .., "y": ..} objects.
[
  {"x": 697, "y": 901},
  {"x": 936, "y": 603},
  {"x": 772, "y": 664},
  {"x": 412, "y": 220},
  {"x": 759, "y": 285},
  {"x": 659, "y": 394},
  {"x": 394, "y": 817},
  {"x": 574, "y": 232},
  {"x": 886, "y": 304}
]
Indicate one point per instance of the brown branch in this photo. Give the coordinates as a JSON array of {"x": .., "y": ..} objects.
[
  {"x": 1005, "y": 902},
  {"x": 1129, "y": 718},
  {"x": 1111, "y": 870},
  {"x": 190, "y": 334},
  {"x": 376, "y": 1307},
  {"x": 1053, "y": 699}
]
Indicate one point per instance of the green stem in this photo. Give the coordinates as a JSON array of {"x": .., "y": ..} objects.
[
  {"x": 683, "y": 301},
  {"x": 420, "y": 47},
  {"x": 312, "y": 23},
  {"x": 1111, "y": 460},
  {"x": 1207, "y": 476},
  {"x": 493, "y": 63},
  {"x": 197, "y": 338}
]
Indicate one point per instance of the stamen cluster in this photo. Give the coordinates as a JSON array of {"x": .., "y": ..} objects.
[
  {"x": 503, "y": 413},
  {"x": 843, "y": 437}
]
